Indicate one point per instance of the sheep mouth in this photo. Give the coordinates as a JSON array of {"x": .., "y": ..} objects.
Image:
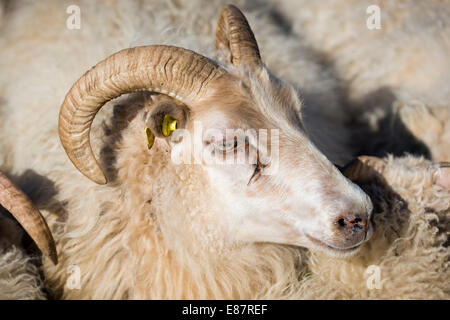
[{"x": 323, "y": 245}]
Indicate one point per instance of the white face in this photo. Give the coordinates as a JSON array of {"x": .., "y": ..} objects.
[{"x": 287, "y": 192}]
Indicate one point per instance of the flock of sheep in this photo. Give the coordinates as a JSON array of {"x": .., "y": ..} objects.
[{"x": 355, "y": 204}]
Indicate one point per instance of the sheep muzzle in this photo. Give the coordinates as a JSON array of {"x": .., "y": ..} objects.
[{"x": 26, "y": 213}]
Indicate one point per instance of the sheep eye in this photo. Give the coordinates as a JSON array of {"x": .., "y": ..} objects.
[{"x": 226, "y": 146}]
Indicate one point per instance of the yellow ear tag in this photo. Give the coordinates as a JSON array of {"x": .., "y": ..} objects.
[
  {"x": 150, "y": 137},
  {"x": 169, "y": 125}
]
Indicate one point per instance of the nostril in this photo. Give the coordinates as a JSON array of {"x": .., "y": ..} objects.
[
  {"x": 351, "y": 221},
  {"x": 357, "y": 227},
  {"x": 341, "y": 222},
  {"x": 358, "y": 221}
]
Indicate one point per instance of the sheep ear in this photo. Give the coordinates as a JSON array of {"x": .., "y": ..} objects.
[
  {"x": 364, "y": 169},
  {"x": 442, "y": 175},
  {"x": 165, "y": 115}
]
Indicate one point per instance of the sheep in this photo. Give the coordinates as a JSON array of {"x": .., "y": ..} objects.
[
  {"x": 159, "y": 229},
  {"x": 19, "y": 276},
  {"x": 389, "y": 73}
]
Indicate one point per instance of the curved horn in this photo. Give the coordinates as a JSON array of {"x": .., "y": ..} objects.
[
  {"x": 21, "y": 207},
  {"x": 177, "y": 72},
  {"x": 234, "y": 33}
]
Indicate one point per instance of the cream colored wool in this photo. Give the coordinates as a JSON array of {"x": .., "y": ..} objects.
[
  {"x": 410, "y": 53},
  {"x": 126, "y": 237},
  {"x": 388, "y": 73},
  {"x": 19, "y": 278},
  {"x": 19, "y": 275}
]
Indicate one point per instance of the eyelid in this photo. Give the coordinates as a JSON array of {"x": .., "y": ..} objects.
[{"x": 225, "y": 146}]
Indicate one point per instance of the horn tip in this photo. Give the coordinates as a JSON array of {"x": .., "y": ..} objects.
[
  {"x": 95, "y": 174},
  {"x": 99, "y": 179}
]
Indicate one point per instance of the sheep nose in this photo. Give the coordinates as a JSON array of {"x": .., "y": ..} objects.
[{"x": 352, "y": 227}]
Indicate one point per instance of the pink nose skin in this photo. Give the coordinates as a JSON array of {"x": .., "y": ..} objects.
[{"x": 351, "y": 229}]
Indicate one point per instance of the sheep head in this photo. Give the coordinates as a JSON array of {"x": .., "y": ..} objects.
[
  {"x": 25, "y": 212},
  {"x": 285, "y": 191}
]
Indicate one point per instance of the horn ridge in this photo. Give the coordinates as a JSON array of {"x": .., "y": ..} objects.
[{"x": 174, "y": 71}]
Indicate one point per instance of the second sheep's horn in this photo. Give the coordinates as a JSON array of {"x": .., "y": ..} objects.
[
  {"x": 25, "y": 212},
  {"x": 177, "y": 72}
]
